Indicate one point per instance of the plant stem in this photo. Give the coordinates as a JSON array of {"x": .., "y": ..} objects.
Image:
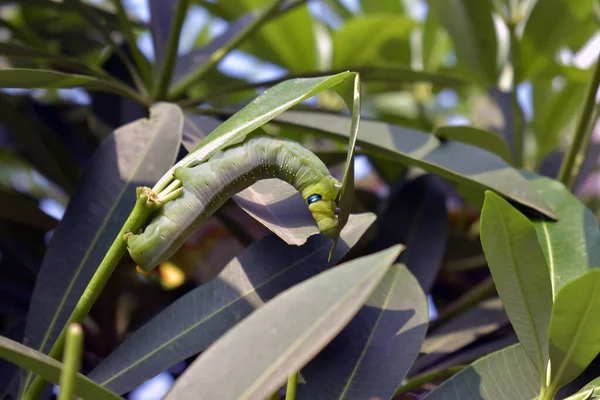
[
  {"x": 182, "y": 86},
  {"x": 292, "y": 383},
  {"x": 517, "y": 127},
  {"x": 140, "y": 61},
  {"x": 71, "y": 361},
  {"x": 422, "y": 379},
  {"x": 145, "y": 204},
  {"x": 581, "y": 141},
  {"x": 172, "y": 47}
]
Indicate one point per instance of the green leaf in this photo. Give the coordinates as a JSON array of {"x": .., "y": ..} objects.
[
  {"x": 451, "y": 337},
  {"x": 387, "y": 41},
  {"x": 588, "y": 392},
  {"x": 471, "y": 28},
  {"x": 23, "y": 78},
  {"x": 12, "y": 50},
  {"x": 554, "y": 113},
  {"x": 416, "y": 216},
  {"x": 39, "y": 144},
  {"x": 136, "y": 154},
  {"x": 539, "y": 43},
  {"x": 382, "y": 6},
  {"x": 270, "y": 104},
  {"x": 507, "y": 374},
  {"x": 487, "y": 140},
  {"x": 253, "y": 359},
  {"x": 575, "y": 328},
  {"x": 520, "y": 274},
  {"x": 371, "y": 356},
  {"x": 454, "y": 161},
  {"x": 201, "y": 316},
  {"x": 571, "y": 245},
  {"x": 435, "y": 43},
  {"x": 294, "y": 49},
  {"x": 50, "y": 369}
]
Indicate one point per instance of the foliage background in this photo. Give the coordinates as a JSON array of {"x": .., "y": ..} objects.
[{"x": 463, "y": 76}]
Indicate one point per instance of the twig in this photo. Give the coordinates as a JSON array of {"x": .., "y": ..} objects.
[{"x": 581, "y": 141}]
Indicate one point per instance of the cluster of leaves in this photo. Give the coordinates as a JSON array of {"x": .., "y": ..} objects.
[{"x": 362, "y": 329}]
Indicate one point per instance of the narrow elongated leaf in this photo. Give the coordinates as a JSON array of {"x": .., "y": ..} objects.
[
  {"x": 460, "y": 163},
  {"x": 382, "y": 6},
  {"x": 200, "y": 317},
  {"x": 471, "y": 28},
  {"x": 520, "y": 274},
  {"x": 252, "y": 360},
  {"x": 460, "y": 332},
  {"x": 571, "y": 245},
  {"x": 266, "y": 107},
  {"x": 387, "y": 42},
  {"x": 23, "y": 78},
  {"x": 161, "y": 13},
  {"x": 49, "y": 369},
  {"x": 507, "y": 374},
  {"x": 136, "y": 154},
  {"x": 371, "y": 356},
  {"x": 189, "y": 62},
  {"x": 539, "y": 44},
  {"x": 416, "y": 217},
  {"x": 487, "y": 140},
  {"x": 12, "y": 50},
  {"x": 293, "y": 49},
  {"x": 39, "y": 144},
  {"x": 435, "y": 43},
  {"x": 588, "y": 392},
  {"x": 575, "y": 328}
]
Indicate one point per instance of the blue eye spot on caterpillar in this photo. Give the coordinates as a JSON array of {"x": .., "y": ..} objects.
[
  {"x": 313, "y": 198},
  {"x": 207, "y": 186}
]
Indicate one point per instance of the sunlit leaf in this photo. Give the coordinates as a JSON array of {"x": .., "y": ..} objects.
[
  {"x": 507, "y": 374},
  {"x": 136, "y": 154},
  {"x": 49, "y": 369},
  {"x": 575, "y": 328},
  {"x": 200, "y": 317},
  {"x": 371, "y": 356},
  {"x": 253, "y": 359},
  {"x": 457, "y": 162},
  {"x": 520, "y": 274}
]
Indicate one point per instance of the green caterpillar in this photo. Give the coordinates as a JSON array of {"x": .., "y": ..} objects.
[{"x": 207, "y": 186}]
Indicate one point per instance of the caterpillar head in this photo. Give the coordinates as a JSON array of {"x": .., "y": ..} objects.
[{"x": 320, "y": 198}]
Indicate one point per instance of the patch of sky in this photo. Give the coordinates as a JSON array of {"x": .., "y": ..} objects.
[{"x": 154, "y": 389}]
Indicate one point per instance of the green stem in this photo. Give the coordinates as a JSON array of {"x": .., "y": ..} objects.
[
  {"x": 71, "y": 361},
  {"x": 581, "y": 141},
  {"x": 517, "y": 127},
  {"x": 292, "y": 383},
  {"x": 145, "y": 204},
  {"x": 172, "y": 47},
  {"x": 184, "y": 84},
  {"x": 422, "y": 379},
  {"x": 140, "y": 61}
]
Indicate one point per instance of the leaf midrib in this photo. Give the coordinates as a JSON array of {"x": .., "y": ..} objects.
[{"x": 521, "y": 293}]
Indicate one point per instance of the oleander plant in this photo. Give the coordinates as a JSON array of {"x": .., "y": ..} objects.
[{"x": 299, "y": 199}]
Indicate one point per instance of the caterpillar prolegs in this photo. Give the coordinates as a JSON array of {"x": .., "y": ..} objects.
[{"x": 207, "y": 186}]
